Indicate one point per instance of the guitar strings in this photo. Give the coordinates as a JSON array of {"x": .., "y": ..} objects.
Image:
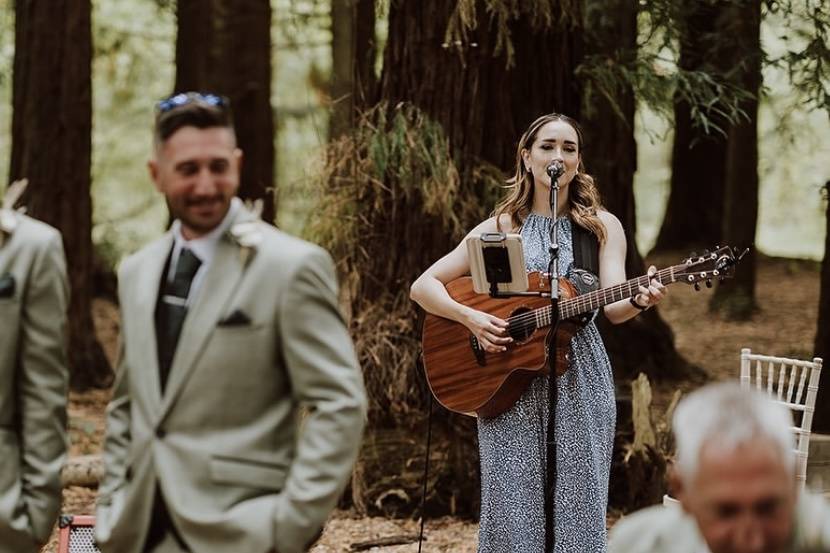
[{"x": 532, "y": 318}]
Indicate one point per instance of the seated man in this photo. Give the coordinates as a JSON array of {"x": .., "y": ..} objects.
[{"x": 735, "y": 479}]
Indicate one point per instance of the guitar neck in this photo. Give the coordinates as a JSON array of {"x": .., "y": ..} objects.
[{"x": 599, "y": 298}]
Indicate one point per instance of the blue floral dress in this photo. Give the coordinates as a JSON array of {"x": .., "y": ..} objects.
[{"x": 512, "y": 445}]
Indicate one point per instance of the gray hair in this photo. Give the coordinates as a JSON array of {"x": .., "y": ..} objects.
[{"x": 729, "y": 416}]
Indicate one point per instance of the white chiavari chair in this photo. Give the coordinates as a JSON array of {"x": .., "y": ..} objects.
[{"x": 792, "y": 383}]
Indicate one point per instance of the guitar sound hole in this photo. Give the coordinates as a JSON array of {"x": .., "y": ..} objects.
[{"x": 522, "y": 325}]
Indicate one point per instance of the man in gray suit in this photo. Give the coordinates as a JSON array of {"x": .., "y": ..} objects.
[
  {"x": 33, "y": 379},
  {"x": 239, "y": 404}
]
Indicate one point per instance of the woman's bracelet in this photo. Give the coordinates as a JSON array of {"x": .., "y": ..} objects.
[{"x": 637, "y": 305}]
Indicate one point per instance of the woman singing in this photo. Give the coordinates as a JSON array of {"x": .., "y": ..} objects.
[{"x": 512, "y": 445}]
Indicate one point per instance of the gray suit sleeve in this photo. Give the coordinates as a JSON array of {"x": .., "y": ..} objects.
[
  {"x": 117, "y": 441},
  {"x": 43, "y": 386},
  {"x": 326, "y": 379}
]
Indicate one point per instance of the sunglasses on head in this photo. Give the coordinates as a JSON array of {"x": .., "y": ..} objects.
[{"x": 185, "y": 98}]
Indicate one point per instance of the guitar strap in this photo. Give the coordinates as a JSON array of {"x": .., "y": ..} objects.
[{"x": 585, "y": 248}]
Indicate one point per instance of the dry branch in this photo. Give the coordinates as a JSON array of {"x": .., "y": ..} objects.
[{"x": 381, "y": 542}]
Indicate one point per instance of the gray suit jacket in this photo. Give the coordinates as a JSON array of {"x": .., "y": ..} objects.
[
  {"x": 33, "y": 380},
  {"x": 239, "y": 467}
]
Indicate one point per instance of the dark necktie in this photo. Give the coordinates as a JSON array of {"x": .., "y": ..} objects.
[{"x": 172, "y": 310}]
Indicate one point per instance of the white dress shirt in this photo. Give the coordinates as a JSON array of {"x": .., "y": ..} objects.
[{"x": 203, "y": 247}]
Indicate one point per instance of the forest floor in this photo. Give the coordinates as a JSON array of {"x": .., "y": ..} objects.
[{"x": 787, "y": 291}]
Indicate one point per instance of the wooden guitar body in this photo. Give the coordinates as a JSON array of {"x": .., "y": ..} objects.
[{"x": 466, "y": 379}]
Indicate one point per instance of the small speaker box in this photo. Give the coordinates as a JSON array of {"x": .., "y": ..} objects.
[{"x": 77, "y": 534}]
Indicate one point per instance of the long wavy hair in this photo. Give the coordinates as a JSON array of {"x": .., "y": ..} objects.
[{"x": 583, "y": 196}]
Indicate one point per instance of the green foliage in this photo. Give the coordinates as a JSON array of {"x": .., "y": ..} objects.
[
  {"x": 806, "y": 57},
  {"x": 302, "y": 23},
  {"x": 133, "y": 66},
  {"x": 544, "y": 14},
  {"x": 804, "y": 49},
  {"x": 713, "y": 99},
  {"x": 395, "y": 168},
  {"x": 388, "y": 204},
  {"x": 650, "y": 69}
]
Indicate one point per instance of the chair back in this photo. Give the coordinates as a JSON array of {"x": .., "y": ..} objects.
[{"x": 792, "y": 383}]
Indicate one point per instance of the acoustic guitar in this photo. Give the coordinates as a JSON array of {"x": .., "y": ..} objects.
[{"x": 466, "y": 379}]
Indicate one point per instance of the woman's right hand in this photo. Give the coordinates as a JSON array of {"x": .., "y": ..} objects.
[{"x": 490, "y": 331}]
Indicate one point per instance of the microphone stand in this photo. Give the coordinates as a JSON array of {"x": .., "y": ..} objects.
[{"x": 554, "y": 171}]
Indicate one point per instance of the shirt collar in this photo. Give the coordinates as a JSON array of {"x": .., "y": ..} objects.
[{"x": 205, "y": 246}]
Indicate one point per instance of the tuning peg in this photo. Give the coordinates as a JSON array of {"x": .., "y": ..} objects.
[
  {"x": 693, "y": 254},
  {"x": 697, "y": 287},
  {"x": 708, "y": 282},
  {"x": 705, "y": 253}
]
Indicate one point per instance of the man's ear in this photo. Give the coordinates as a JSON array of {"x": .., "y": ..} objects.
[
  {"x": 153, "y": 169},
  {"x": 240, "y": 158},
  {"x": 677, "y": 488}
]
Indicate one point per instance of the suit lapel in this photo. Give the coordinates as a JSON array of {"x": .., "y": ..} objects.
[
  {"x": 146, "y": 296},
  {"x": 215, "y": 292}
]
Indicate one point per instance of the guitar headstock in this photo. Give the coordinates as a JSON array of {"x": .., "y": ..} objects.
[{"x": 718, "y": 264}]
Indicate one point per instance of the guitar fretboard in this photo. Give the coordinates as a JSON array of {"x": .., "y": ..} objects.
[{"x": 594, "y": 300}]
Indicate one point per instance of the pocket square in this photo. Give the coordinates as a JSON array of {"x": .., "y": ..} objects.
[
  {"x": 7, "y": 286},
  {"x": 237, "y": 318}
]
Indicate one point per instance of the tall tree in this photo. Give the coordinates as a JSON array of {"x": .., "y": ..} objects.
[
  {"x": 821, "y": 422},
  {"x": 225, "y": 46},
  {"x": 737, "y": 300},
  {"x": 610, "y": 155},
  {"x": 419, "y": 170},
  {"x": 695, "y": 206},
  {"x": 52, "y": 145},
  {"x": 483, "y": 90},
  {"x": 195, "y": 45},
  {"x": 354, "y": 49}
]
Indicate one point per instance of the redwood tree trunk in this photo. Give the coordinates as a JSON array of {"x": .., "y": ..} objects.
[
  {"x": 52, "y": 147},
  {"x": 195, "y": 45},
  {"x": 737, "y": 298},
  {"x": 353, "y": 61},
  {"x": 610, "y": 155},
  {"x": 20, "y": 72},
  {"x": 695, "y": 206},
  {"x": 821, "y": 422},
  {"x": 482, "y": 105},
  {"x": 225, "y": 46}
]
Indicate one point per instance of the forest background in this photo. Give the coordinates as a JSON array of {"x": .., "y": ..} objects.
[{"x": 383, "y": 130}]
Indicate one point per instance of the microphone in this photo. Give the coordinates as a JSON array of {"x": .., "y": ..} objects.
[{"x": 555, "y": 169}]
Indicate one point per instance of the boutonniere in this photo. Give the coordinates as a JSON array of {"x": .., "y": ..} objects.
[
  {"x": 8, "y": 216},
  {"x": 248, "y": 234}
]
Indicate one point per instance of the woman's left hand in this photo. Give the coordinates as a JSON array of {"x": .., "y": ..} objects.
[{"x": 654, "y": 293}]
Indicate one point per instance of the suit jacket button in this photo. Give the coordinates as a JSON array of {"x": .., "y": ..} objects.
[
  {"x": 128, "y": 474},
  {"x": 160, "y": 433}
]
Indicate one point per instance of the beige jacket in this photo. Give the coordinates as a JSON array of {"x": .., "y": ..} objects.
[
  {"x": 238, "y": 470},
  {"x": 670, "y": 530},
  {"x": 33, "y": 379}
]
